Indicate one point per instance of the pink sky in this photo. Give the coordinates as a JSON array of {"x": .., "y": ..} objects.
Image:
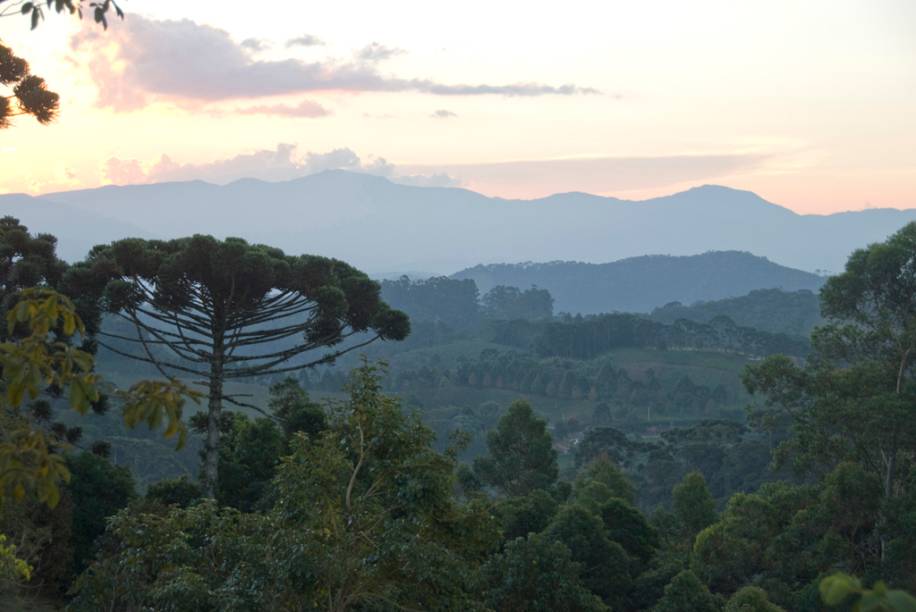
[{"x": 811, "y": 105}]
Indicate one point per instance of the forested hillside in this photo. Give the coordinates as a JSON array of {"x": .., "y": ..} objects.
[
  {"x": 221, "y": 391},
  {"x": 772, "y": 310},
  {"x": 640, "y": 284},
  {"x": 503, "y": 458}
]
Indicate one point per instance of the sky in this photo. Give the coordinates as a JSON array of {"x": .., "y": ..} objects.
[{"x": 812, "y": 104}]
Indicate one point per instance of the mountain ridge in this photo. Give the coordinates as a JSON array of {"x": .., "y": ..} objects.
[
  {"x": 646, "y": 282},
  {"x": 377, "y": 224}
]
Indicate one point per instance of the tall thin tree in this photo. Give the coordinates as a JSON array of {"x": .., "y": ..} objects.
[{"x": 227, "y": 310}]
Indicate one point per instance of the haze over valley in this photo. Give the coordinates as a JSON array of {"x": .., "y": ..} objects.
[
  {"x": 386, "y": 227},
  {"x": 482, "y": 306}
]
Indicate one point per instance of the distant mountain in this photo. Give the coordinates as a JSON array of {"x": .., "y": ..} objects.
[
  {"x": 382, "y": 226},
  {"x": 77, "y": 230},
  {"x": 794, "y": 313},
  {"x": 640, "y": 284}
]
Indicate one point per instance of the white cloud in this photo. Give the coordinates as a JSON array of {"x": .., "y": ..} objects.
[
  {"x": 142, "y": 60},
  {"x": 306, "y": 40},
  {"x": 279, "y": 164},
  {"x": 124, "y": 171},
  {"x": 255, "y": 45},
  {"x": 376, "y": 52}
]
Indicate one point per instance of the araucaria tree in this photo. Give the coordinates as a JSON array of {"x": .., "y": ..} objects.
[{"x": 223, "y": 310}]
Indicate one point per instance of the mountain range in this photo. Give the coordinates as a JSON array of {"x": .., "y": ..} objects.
[{"x": 382, "y": 226}]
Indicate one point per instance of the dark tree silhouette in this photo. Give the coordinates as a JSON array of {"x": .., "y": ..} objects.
[
  {"x": 25, "y": 261},
  {"x": 34, "y": 11},
  {"x": 25, "y": 93},
  {"x": 223, "y": 310}
]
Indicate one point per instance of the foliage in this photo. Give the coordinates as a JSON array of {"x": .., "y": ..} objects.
[
  {"x": 365, "y": 488},
  {"x": 686, "y": 592},
  {"x": 29, "y": 92},
  {"x": 352, "y": 507},
  {"x": 36, "y": 12},
  {"x": 599, "y": 380},
  {"x": 12, "y": 568},
  {"x": 785, "y": 537},
  {"x": 770, "y": 310},
  {"x": 751, "y": 599},
  {"x": 626, "y": 526},
  {"x": 179, "y": 492},
  {"x": 730, "y": 456},
  {"x": 853, "y": 400},
  {"x": 639, "y": 284},
  {"x": 364, "y": 516},
  {"x": 289, "y": 403},
  {"x": 98, "y": 490},
  {"x": 251, "y": 449},
  {"x": 526, "y": 514},
  {"x": 605, "y": 565},
  {"x": 163, "y": 561},
  {"x": 535, "y": 574},
  {"x": 229, "y": 310},
  {"x": 693, "y": 504},
  {"x": 249, "y": 453},
  {"x": 512, "y": 304},
  {"x": 586, "y": 337},
  {"x": 439, "y": 299},
  {"x": 727, "y": 553},
  {"x": 43, "y": 538},
  {"x": 521, "y": 455},
  {"x": 25, "y": 261},
  {"x": 599, "y": 481},
  {"x": 838, "y": 588},
  {"x": 33, "y": 361}
]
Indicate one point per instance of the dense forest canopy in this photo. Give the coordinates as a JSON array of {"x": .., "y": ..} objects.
[
  {"x": 628, "y": 478},
  {"x": 196, "y": 422},
  {"x": 773, "y": 310}
]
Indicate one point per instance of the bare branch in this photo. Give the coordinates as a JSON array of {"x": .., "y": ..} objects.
[{"x": 159, "y": 364}]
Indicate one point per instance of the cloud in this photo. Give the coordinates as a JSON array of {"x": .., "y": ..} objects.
[
  {"x": 254, "y": 45},
  {"x": 140, "y": 61},
  {"x": 305, "y": 109},
  {"x": 375, "y": 52},
  {"x": 338, "y": 159},
  {"x": 437, "y": 179},
  {"x": 306, "y": 40},
  {"x": 443, "y": 114},
  {"x": 513, "y": 90},
  {"x": 279, "y": 164},
  {"x": 124, "y": 171}
]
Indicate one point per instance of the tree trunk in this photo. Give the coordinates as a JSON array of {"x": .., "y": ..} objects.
[
  {"x": 214, "y": 418},
  {"x": 890, "y": 461}
]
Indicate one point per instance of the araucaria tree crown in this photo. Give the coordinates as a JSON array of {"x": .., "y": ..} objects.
[{"x": 225, "y": 309}]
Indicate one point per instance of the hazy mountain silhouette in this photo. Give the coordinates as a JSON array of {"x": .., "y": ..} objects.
[
  {"x": 639, "y": 284},
  {"x": 383, "y": 226}
]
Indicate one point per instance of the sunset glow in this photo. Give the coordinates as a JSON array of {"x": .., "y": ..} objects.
[{"x": 816, "y": 112}]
